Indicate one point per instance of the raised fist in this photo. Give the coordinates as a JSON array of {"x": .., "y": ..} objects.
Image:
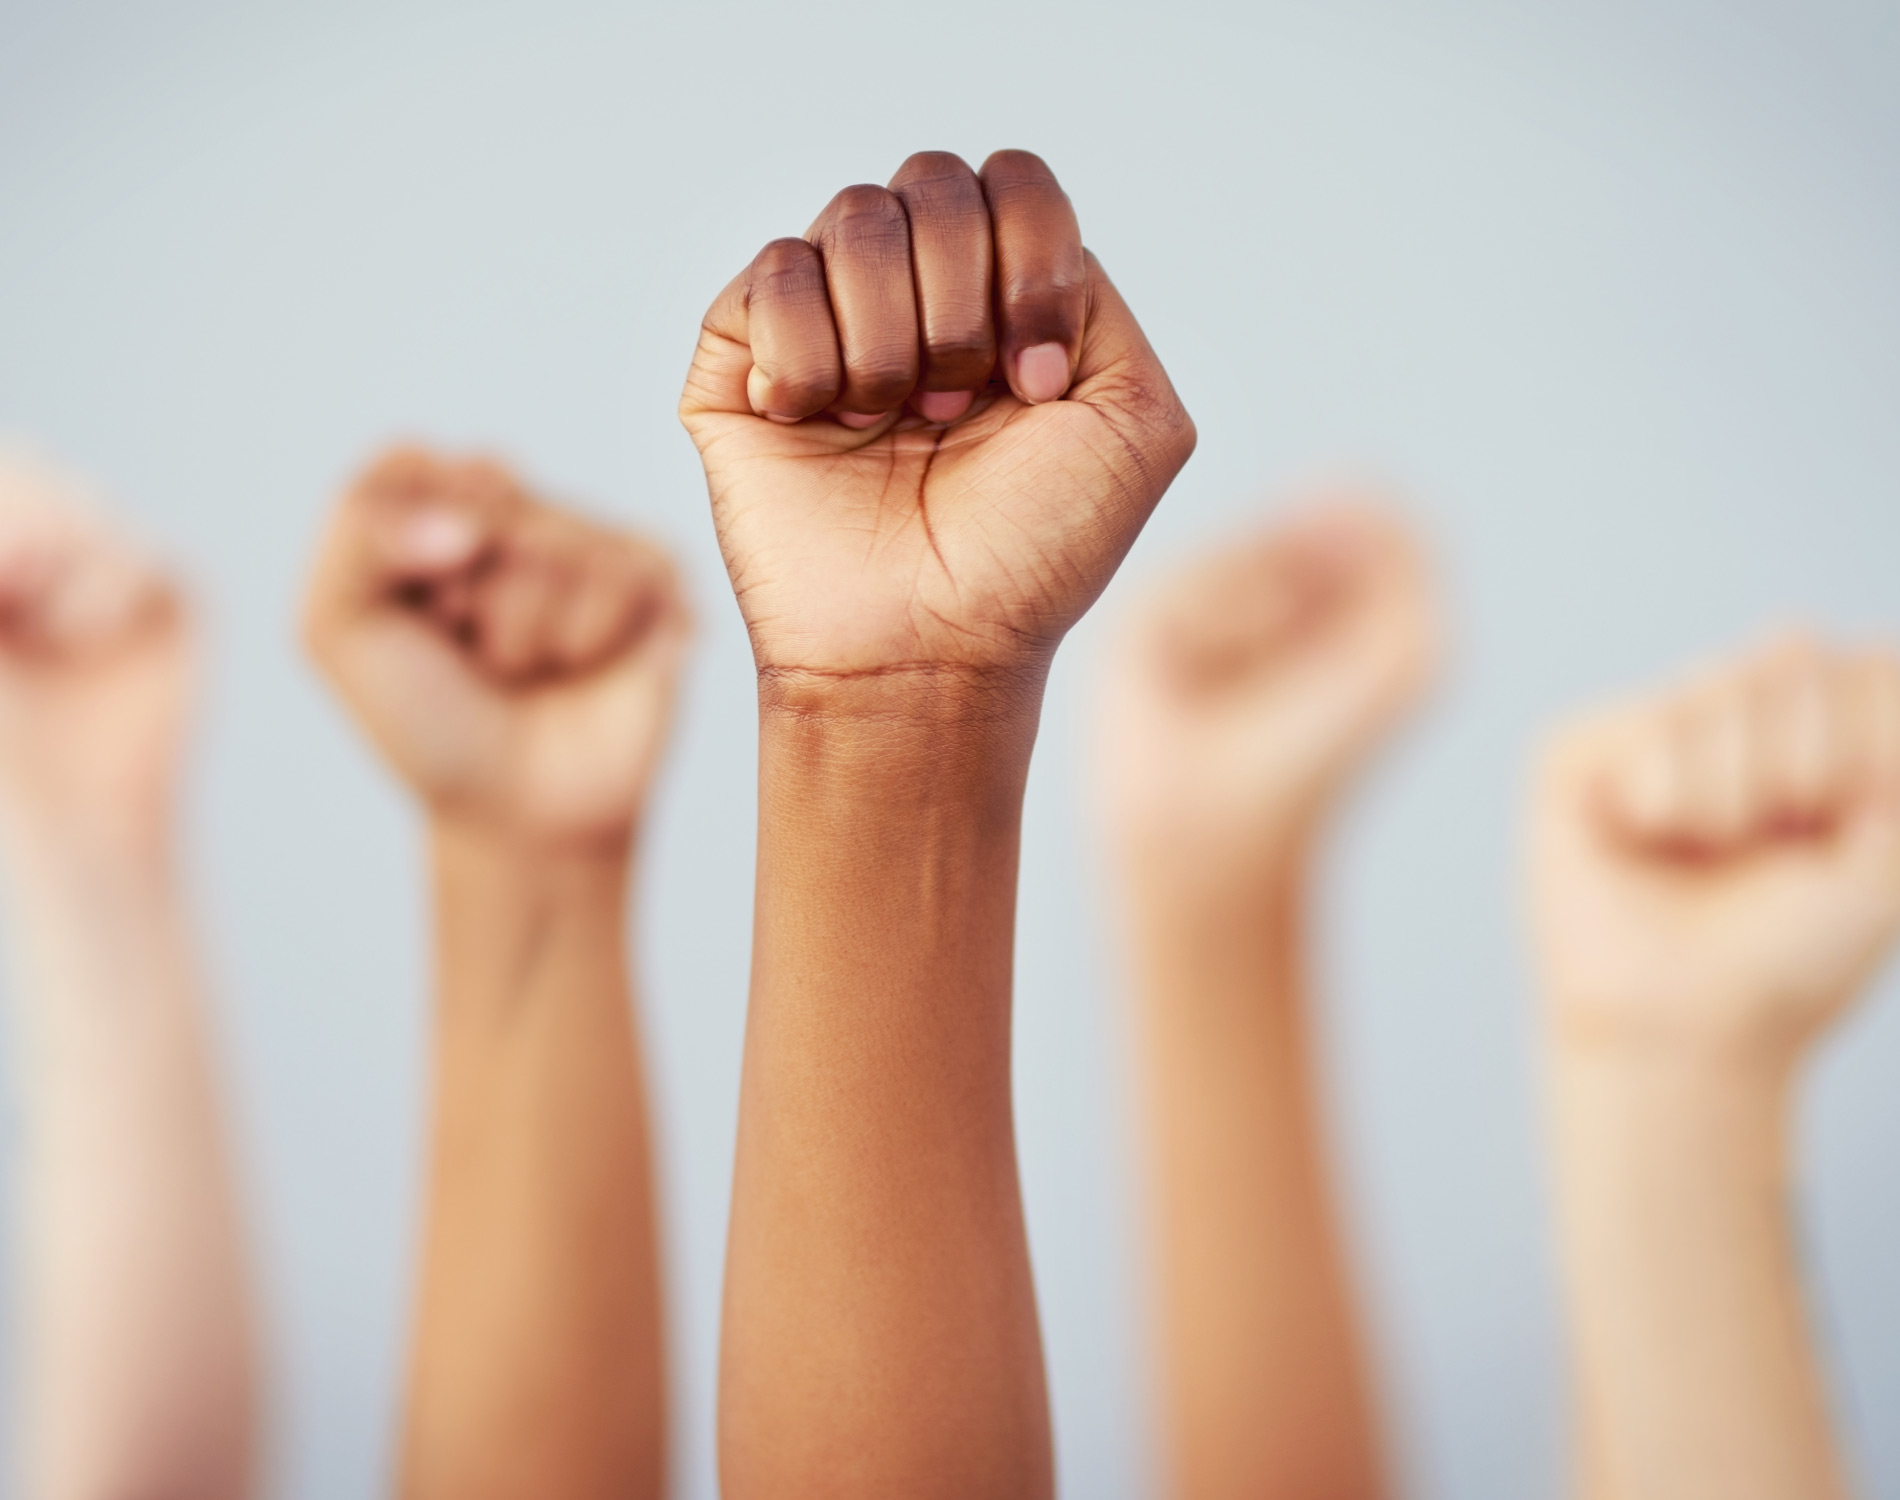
[
  {"x": 931, "y": 428},
  {"x": 1719, "y": 868},
  {"x": 95, "y": 664},
  {"x": 515, "y": 663},
  {"x": 1255, "y": 683}
]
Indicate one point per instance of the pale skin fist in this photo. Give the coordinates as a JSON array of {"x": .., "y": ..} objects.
[
  {"x": 1253, "y": 685},
  {"x": 931, "y": 428},
  {"x": 1718, "y": 869},
  {"x": 515, "y": 663},
  {"x": 96, "y": 665}
]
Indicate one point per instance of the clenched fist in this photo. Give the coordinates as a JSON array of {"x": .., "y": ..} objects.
[
  {"x": 515, "y": 663},
  {"x": 931, "y": 428},
  {"x": 95, "y": 664},
  {"x": 1255, "y": 683},
  {"x": 1718, "y": 868}
]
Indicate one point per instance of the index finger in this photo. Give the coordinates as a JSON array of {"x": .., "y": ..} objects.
[{"x": 1041, "y": 276}]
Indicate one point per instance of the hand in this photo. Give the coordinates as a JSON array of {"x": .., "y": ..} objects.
[
  {"x": 96, "y": 664},
  {"x": 514, "y": 663},
  {"x": 1255, "y": 684},
  {"x": 1719, "y": 868},
  {"x": 931, "y": 428}
]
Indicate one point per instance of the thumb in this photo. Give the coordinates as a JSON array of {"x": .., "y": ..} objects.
[
  {"x": 411, "y": 521},
  {"x": 1119, "y": 376}
]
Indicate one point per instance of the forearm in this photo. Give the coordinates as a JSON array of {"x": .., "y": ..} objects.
[
  {"x": 538, "y": 1362},
  {"x": 880, "y": 1324},
  {"x": 139, "y": 1366},
  {"x": 1696, "y": 1369},
  {"x": 1265, "y": 1391}
]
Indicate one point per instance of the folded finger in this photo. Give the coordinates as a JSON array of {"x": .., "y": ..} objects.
[
  {"x": 952, "y": 262},
  {"x": 1041, "y": 280},
  {"x": 796, "y": 369},
  {"x": 404, "y": 533},
  {"x": 864, "y": 237}
]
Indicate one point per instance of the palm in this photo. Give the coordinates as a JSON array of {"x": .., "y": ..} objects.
[
  {"x": 1303, "y": 728},
  {"x": 97, "y": 734},
  {"x": 1773, "y": 941},
  {"x": 957, "y": 545},
  {"x": 570, "y": 756},
  {"x": 1241, "y": 757},
  {"x": 1265, "y": 677}
]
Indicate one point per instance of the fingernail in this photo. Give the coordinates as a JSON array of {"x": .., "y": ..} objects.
[
  {"x": 1042, "y": 372},
  {"x": 943, "y": 406},
  {"x": 857, "y": 421},
  {"x": 438, "y": 537},
  {"x": 772, "y": 416},
  {"x": 757, "y": 388}
]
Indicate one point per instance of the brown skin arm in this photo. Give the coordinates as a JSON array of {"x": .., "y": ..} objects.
[
  {"x": 516, "y": 666},
  {"x": 878, "y": 1279},
  {"x": 931, "y": 429}
]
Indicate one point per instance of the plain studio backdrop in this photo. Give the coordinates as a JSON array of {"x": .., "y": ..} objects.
[{"x": 1609, "y": 288}]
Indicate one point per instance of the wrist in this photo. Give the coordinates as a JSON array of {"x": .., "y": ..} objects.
[
  {"x": 467, "y": 851},
  {"x": 1653, "y": 1109},
  {"x": 919, "y": 739},
  {"x": 513, "y": 914},
  {"x": 941, "y": 695},
  {"x": 484, "y": 835},
  {"x": 1708, "y": 1031},
  {"x": 1215, "y": 883},
  {"x": 89, "y": 845}
]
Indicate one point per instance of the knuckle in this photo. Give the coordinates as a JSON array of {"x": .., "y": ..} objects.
[
  {"x": 866, "y": 220},
  {"x": 1012, "y": 164},
  {"x": 958, "y": 329},
  {"x": 922, "y": 168},
  {"x": 787, "y": 269},
  {"x": 802, "y": 388},
  {"x": 865, "y": 200},
  {"x": 1053, "y": 291},
  {"x": 883, "y": 376},
  {"x": 965, "y": 362},
  {"x": 935, "y": 184}
]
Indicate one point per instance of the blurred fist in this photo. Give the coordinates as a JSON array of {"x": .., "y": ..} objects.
[
  {"x": 931, "y": 428},
  {"x": 1720, "y": 866},
  {"x": 1254, "y": 684},
  {"x": 514, "y": 663},
  {"x": 95, "y": 665}
]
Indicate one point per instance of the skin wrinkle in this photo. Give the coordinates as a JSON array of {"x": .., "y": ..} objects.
[
  {"x": 903, "y": 604},
  {"x": 923, "y": 516},
  {"x": 972, "y": 347},
  {"x": 998, "y": 508},
  {"x": 867, "y": 229}
]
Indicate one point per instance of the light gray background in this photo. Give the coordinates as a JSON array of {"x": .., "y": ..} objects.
[{"x": 1610, "y": 286}]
